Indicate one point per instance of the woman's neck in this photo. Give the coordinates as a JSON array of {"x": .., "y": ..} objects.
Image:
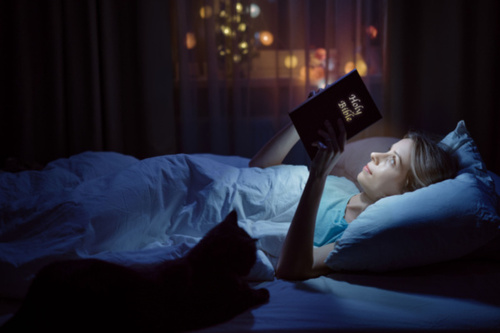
[{"x": 356, "y": 205}]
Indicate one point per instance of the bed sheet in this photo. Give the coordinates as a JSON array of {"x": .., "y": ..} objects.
[{"x": 117, "y": 208}]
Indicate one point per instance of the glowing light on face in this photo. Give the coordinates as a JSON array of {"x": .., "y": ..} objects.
[{"x": 386, "y": 173}]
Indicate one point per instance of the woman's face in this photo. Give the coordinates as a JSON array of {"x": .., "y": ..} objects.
[{"x": 386, "y": 173}]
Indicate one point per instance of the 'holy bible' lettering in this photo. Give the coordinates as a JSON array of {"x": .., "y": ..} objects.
[{"x": 355, "y": 110}]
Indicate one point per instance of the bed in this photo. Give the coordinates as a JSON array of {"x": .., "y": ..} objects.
[{"x": 118, "y": 208}]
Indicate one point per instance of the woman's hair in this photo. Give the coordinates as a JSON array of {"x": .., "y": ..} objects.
[{"x": 431, "y": 162}]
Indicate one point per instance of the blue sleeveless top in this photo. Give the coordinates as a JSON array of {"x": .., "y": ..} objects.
[{"x": 330, "y": 221}]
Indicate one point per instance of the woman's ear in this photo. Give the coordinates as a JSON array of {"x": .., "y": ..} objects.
[{"x": 407, "y": 187}]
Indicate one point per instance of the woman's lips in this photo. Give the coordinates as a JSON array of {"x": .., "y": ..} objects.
[{"x": 367, "y": 169}]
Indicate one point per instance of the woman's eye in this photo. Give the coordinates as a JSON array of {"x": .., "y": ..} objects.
[{"x": 393, "y": 161}]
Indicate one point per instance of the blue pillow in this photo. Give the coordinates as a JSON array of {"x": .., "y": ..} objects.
[{"x": 443, "y": 221}]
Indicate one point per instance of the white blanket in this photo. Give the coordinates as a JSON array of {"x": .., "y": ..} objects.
[{"x": 117, "y": 208}]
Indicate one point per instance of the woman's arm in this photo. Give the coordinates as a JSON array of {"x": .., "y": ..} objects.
[
  {"x": 276, "y": 149},
  {"x": 299, "y": 259}
]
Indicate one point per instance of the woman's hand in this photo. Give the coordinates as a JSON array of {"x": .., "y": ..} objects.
[{"x": 330, "y": 148}]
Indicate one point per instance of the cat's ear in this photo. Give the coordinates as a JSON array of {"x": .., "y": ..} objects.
[{"x": 232, "y": 218}]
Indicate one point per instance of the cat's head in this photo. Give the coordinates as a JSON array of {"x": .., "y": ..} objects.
[{"x": 226, "y": 246}]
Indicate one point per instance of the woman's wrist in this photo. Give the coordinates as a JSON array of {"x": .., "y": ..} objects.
[{"x": 316, "y": 180}]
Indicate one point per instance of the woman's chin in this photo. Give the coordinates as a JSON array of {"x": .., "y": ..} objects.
[{"x": 360, "y": 178}]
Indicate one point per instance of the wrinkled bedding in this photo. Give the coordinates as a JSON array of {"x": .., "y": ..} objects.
[{"x": 115, "y": 207}]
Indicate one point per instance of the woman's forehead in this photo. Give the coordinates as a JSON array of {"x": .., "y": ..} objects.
[
  {"x": 403, "y": 146},
  {"x": 403, "y": 149}
]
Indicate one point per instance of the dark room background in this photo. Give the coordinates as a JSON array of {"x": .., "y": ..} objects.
[{"x": 158, "y": 77}]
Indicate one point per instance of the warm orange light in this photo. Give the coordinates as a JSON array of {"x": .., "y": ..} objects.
[
  {"x": 320, "y": 54},
  {"x": 360, "y": 66},
  {"x": 316, "y": 74},
  {"x": 190, "y": 40},
  {"x": 372, "y": 32},
  {"x": 266, "y": 38},
  {"x": 349, "y": 66}
]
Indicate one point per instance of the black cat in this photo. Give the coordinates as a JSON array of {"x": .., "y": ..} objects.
[{"x": 204, "y": 288}]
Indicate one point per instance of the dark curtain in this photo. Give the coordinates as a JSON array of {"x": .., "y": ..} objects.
[
  {"x": 235, "y": 90},
  {"x": 103, "y": 75},
  {"x": 85, "y": 75},
  {"x": 443, "y": 66}
]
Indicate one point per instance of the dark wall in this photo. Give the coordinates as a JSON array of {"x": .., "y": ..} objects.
[{"x": 443, "y": 66}]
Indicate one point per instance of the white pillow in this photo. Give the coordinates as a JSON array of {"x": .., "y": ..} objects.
[{"x": 440, "y": 222}]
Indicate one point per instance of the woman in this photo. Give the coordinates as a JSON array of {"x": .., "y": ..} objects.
[{"x": 411, "y": 163}]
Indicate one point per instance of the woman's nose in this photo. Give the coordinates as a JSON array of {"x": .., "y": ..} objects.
[{"x": 376, "y": 157}]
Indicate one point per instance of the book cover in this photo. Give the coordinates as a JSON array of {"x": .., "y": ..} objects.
[{"x": 347, "y": 98}]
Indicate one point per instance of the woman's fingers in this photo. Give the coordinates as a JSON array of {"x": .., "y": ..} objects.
[
  {"x": 330, "y": 147},
  {"x": 330, "y": 137},
  {"x": 320, "y": 145}
]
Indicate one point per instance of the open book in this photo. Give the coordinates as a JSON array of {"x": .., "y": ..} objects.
[{"x": 347, "y": 98}]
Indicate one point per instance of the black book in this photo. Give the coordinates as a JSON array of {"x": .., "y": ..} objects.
[{"x": 347, "y": 98}]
